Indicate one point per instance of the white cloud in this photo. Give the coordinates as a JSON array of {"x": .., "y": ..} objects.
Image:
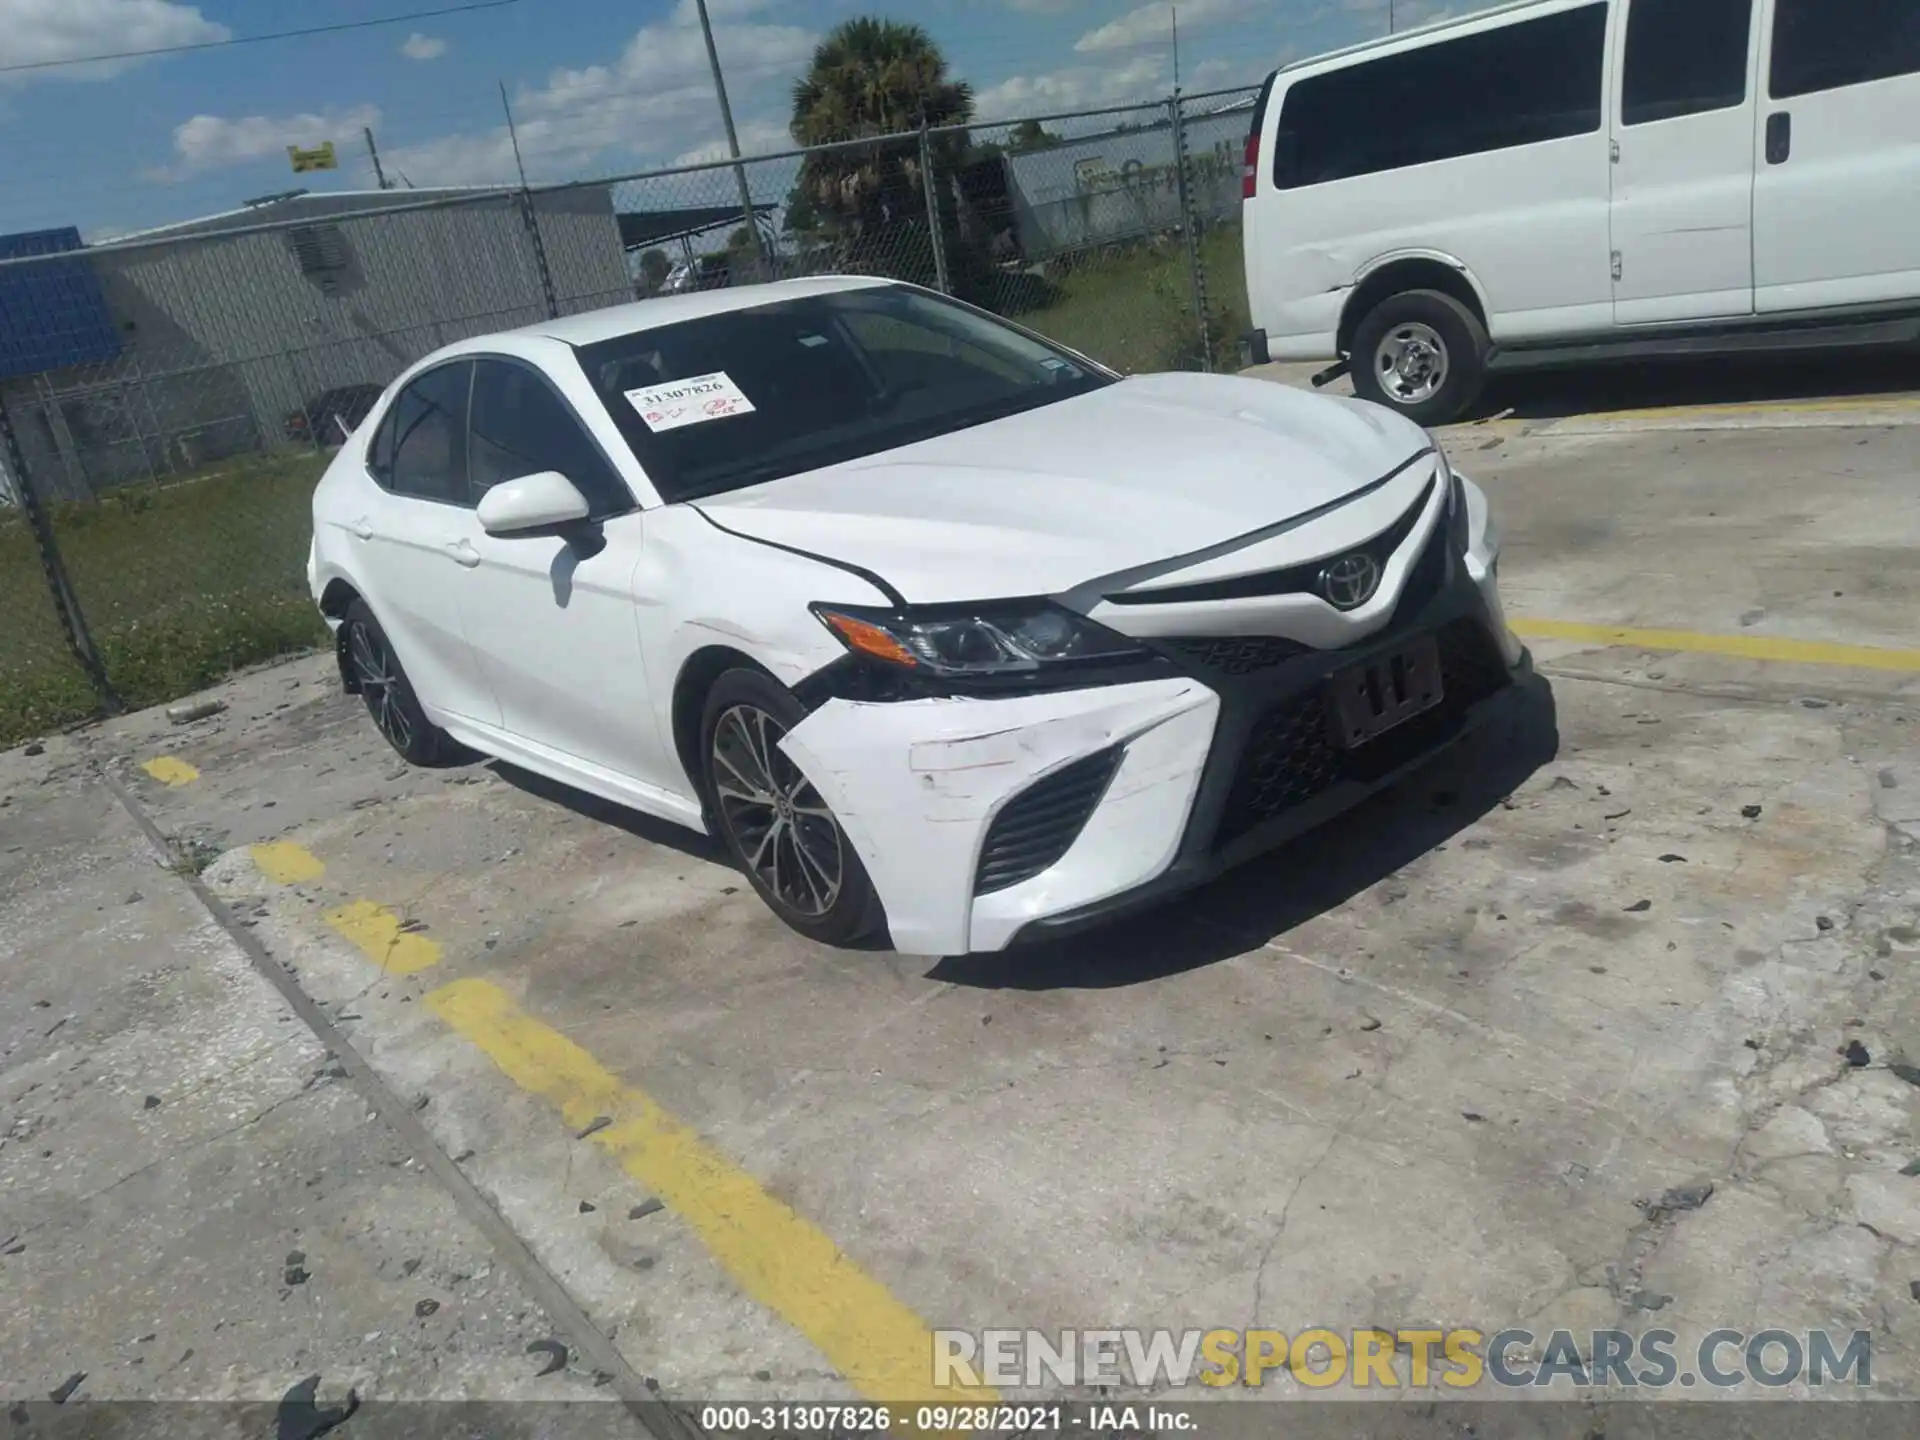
[
  {"x": 757, "y": 137},
  {"x": 215, "y": 142},
  {"x": 35, "y": 31},
  {"x": 1153, "y": 24},
  {"x": 423, "y": 47},
  {"x": 1143, "y": 78},
  {"x": 635, "y": 110}
]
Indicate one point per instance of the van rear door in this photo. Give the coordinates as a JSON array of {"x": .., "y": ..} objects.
[
  {"x": 1837, "y": 200},
  {"x": 1683, "y": 117}
]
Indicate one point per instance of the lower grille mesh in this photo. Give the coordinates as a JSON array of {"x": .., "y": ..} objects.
[
  {"x": 1039, "y": 825},
  {"x": 1289, "y": 758},
  {"x": 1238, "y": 654}
]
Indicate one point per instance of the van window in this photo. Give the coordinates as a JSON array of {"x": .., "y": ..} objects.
[
  {"x": 1520, "y": 84},
  {"x": 1684, "y": 57},
  {"x": 1826, "y": 44}
]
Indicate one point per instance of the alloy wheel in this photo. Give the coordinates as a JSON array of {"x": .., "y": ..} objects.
[
  {"x": 378, "y": 677},
  {"x": 783, "y": 830}
]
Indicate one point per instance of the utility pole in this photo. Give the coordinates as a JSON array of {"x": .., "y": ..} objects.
[
  {"x": 1390, "y": 25},
  {"x": 733, "y": 141},
  {"x": 373, "y": 154},
  {"x": 513, "y": 135},
  {"x": 1174, "y": 10},
  {"x": 527, "y": 217}
]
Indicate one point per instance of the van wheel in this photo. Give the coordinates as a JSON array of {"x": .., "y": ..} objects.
[{"x": 1421, "y": 353}]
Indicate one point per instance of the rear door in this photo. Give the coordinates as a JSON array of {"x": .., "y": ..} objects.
[
  {"x": 413, "y": 540},
  {"x": 1683, "y": 120},
  {"x": 1837, "y": 199}
]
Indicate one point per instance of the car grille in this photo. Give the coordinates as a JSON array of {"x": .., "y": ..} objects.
[
  {"x": 1039, "y": 825},
  {"x": 1238, "y": 654},
  {"x": 1289, "y": 759}
]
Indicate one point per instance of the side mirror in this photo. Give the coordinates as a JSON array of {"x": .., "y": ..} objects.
[{"x": 533, "y": 502}]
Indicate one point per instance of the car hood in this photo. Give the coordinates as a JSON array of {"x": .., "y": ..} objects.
[{"x": 1152, "y": 467}]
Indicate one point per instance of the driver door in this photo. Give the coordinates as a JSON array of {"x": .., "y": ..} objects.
[{"x": 552, "y": 617}]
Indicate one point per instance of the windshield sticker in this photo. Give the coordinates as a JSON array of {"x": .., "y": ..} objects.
[
  {"x": 812, "y": 340},
  {"x": 692, "y": 401}
]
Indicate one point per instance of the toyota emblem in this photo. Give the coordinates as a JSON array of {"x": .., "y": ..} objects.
[{"x": 1350, "y": 581}]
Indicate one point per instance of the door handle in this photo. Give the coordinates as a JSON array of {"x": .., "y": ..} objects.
[
  {"x": 463, "y": 553},
  {"x": 1779, "y": 137},
  {"x": 360, "y": 528}
]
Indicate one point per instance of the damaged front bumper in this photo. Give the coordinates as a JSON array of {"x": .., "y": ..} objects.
[
  {"x": 983, "y": 822},
  {"x": 918, "y": 785}
]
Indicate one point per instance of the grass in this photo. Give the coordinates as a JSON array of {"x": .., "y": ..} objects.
[
  {"x": 1134, "y": 309},
  {"x": 180, "y": 585},
  {"x": 184, "y": 583}
]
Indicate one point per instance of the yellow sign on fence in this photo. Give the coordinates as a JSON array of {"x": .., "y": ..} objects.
[{"x": 321, "y": 158}]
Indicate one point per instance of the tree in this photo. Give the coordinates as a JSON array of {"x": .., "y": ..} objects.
[
  {"x": 871, "y": 78},
  {"x": 654, "y": 267},
  {"x": 1031, "y": 135}
]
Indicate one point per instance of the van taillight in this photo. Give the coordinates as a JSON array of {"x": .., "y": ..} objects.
[{"x": 1250, "y": 176}]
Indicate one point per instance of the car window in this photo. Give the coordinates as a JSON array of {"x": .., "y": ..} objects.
[
  {"x": 753, "y": 394},
  {"x": 380, "y": 448},
  {"x": 521, "y": 427},
  {"x": 1519, "y": 84},
  {"x": 429, "y": 420},
  {"x": 1827, "y": 44},
  {"x": 1684, "y": 57}
]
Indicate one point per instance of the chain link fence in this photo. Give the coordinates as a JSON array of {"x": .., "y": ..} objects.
[{"x": 168, "y": 401}]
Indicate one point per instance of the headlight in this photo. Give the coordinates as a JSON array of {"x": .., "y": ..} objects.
[{"x": 979, "y": 640}]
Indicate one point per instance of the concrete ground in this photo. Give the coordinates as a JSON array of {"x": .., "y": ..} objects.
[{"x": 460, "y": 1038}]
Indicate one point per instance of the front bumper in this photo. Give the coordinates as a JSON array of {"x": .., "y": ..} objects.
[{"x": 1178, "y": 778}]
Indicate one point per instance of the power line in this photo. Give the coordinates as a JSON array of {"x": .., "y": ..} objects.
[{"x": 257, "y": 39}]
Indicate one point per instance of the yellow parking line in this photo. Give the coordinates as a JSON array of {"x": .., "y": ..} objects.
[
  {"x": 1761, "y": 407},
  {"x": 285, "y": 863},
  {"x": 170, "y": 770},
  {"x": 881, "y": 1347},
  {"x": 383, "y": 937},
  {"x": 1746, "y": 647}
]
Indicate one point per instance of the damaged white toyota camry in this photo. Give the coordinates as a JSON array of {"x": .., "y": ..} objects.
[{"x": 934, "y": 625}]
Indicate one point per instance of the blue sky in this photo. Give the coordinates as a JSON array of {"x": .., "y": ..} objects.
[{"x": 597, "y": 86}]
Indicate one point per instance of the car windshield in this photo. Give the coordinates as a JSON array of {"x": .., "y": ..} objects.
[{"x": 750, "y": 395}]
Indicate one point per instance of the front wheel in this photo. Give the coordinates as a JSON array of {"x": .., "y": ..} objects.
[
  {"x": 1421, "y": 353},
  {"x": 776, "y": 826}
]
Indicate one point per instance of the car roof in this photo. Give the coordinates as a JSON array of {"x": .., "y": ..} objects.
[{"x": 593, "y": 326}]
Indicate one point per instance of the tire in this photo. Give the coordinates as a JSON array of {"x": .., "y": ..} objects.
[
  {"x": 772, "y": 821},
  {"x": 388, "y": 693},
  {"x": 1421, "y": 327}
]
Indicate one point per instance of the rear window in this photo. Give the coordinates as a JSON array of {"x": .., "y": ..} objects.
[
  {"x": 1830, "y": 44},
  {"x": 745, "y": 396},
  {"x": 1521, "y": 84}
]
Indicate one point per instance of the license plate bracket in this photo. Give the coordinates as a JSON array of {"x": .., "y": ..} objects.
[{"x": 1367, "y": 700}]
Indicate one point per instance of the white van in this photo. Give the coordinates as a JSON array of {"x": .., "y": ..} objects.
[{"x": 1558, "y": 182}]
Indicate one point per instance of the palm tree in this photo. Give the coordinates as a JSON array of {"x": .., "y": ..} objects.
[{"x": 871, "y": 78}]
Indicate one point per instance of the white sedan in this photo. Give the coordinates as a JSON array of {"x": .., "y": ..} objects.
[{"x": 935, "y": 625}]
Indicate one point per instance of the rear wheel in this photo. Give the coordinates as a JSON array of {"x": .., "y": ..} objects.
[
  {"x": 1421, "y": 353},
  {"x": 776, "y": 826},
  {"x": 388, "y": 694}
]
